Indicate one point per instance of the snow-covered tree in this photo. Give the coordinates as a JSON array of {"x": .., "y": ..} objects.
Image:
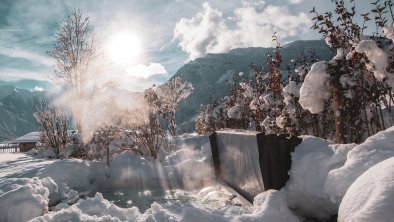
[
  {"x": 147, "y": 132},
  {"x": 171, "y": 94},
  {"x": 209, "y": 117},
  {"x": 53, "y": 126},
  {"x": 355, "y": 80}
]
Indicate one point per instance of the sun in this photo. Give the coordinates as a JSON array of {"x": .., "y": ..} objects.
[{"x": 124, "y": 48}]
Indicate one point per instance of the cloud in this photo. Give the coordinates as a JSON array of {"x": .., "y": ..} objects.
[
  {"x": 140, "y": 77},
  {"x": 144, "y": 72},
  {"x": 210, "y": 32},
  {"x": 253, "y": 3},
  {"x": 135, "y": 78},
  {"x": 38, "y": 89},
  {"x": 199, "y": 35},
  {"x": 25, "y": 54},
  {"x": 295, "y": 1}
]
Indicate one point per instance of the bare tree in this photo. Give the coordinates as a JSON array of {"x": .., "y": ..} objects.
[
  {"x": 170, "y": 94},
  {"x": 73, "y": 49},
  {"x": 53, "y": 126}
]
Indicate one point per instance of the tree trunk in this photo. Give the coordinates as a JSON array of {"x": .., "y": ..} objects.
[{"x": 336, "y": 105}]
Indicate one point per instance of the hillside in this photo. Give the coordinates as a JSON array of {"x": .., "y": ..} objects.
[{"x": 16, "y": 111}]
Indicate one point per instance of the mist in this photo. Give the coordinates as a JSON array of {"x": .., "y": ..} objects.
[{"x": 98, "y": 101}]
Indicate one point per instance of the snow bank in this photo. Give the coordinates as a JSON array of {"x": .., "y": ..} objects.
[
  {"x": 315, "y": 89},
  {"x": 42, "y": 153},
  {"x": 371, "y": 196},
  {"x": 322, "y": 171},
  {"x": 23, "y": 199},
  {"x": 269, "y": 206},
  {"x": 312, "y": 161},
  {"x": 92, "y": 209},
  {"x": 374, "y": 150},
  {"x": 77, "y": 174}
]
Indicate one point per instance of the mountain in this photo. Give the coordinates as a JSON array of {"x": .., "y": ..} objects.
[
  {"x": 210, "y": 73},
  {"x": 16, "y": 111},
  {"x": 30, "y": 84}
]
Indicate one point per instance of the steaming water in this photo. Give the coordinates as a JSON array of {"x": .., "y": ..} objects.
[
  {"x": 211, "y": 198},
  {"x": 143, "y": 199}
]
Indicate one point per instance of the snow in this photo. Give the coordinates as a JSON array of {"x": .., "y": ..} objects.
[
  {"x": 23, "y": 200},
  {"x": 89, "y": 174},
  {"x": 236, "y": 112},
  {"x": 312, "y": 161},
  {"x": 291, "y": 89},
  {"x": 341, "y": 53},
  {"x": 315, "y": 90},
  {"x": 18, "y": 165},
  {"x": 30, "y": 137},
  {"x": 374, "y": 150},
  {"x": 371, "y": 196},
  {"x": 376, "y": 55},
  {"x": 318, "y": 191},
  {"x": 281, "y": 121},
  {"x": 270, "y": 206},
  {"x": 45, "y": 153},
  {"x": 389, "y": 32},
  {"x": 325, "y": 177}
]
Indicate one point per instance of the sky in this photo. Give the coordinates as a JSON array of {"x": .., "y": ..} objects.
[{"x": 165, "y": 34}]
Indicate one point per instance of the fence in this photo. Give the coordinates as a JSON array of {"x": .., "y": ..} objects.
[{"x": 10, "y": 148}]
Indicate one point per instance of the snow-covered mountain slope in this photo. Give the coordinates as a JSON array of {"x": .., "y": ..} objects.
[
  {"x": 16, "y": 111},
  {"x": 210, "y": 73}
]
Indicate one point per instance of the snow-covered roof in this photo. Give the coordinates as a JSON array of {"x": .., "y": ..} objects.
[{"x": 32, "y": 137}]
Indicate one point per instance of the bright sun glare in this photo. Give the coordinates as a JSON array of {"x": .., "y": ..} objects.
[{"x": 124, "y": 48}]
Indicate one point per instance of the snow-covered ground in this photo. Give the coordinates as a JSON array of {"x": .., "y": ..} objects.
[
  {"x": 325, "y": 178},
  {"x": 19, "y": 165}
]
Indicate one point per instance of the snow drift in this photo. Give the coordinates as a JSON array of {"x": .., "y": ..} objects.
[
  {"x": 322, "y": 171},
  {"x": 371, "y": 196}
]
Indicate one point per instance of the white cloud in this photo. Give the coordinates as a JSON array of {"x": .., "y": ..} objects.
[
  {"x": 209, "y": 31},
  {"x": 253, "y": 3},
  {"x": 144, "y": 72},
  {"x": 136, "y": 78},
  {"x": 199, "y": 35},
  {"x": 25, "y": 54},
  {"x": 38, "y": 89},
  {"x": 295, "y": 1}
]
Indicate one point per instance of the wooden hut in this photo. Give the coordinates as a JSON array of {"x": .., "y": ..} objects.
[{"x": 28, "y": 141}]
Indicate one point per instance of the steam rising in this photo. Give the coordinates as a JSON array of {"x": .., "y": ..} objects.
[{"x": 98, "y": 101}]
